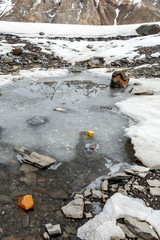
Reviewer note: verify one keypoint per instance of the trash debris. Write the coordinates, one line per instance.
(91, 134)
(92, 147)
(53, 230)
(26, 202)
(34, 158)
(119, 80)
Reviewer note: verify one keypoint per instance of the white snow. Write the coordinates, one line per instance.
(103, 226)
(117, 13)
(157, 54)
(145, 133)
(5, 7)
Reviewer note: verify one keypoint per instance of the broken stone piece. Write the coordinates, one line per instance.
(97, 194)
(88, 215)
(74, 209)
(46, 236)
(35, 159)
(118, 177)
(53, 230)
(119, 80)
(104, 185)
(153, 183)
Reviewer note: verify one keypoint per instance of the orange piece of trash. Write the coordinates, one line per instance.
(26, 202)
(91, 134)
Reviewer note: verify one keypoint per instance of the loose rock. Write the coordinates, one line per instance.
(119, 80)
(53, 230)
(74, 209)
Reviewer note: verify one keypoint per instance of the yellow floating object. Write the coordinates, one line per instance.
(26, 202)
(91, 134)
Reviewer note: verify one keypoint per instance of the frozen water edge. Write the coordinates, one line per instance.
(103, 226)
(61, 136)
(145, 132)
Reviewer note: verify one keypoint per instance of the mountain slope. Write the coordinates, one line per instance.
(93, 12)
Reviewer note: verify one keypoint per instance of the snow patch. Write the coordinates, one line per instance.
(103, 226)
(145, 133)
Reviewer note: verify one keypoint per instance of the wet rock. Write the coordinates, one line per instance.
(59, 194)
(104, 185)
(119, 80)
(145, 30)
(97, 194)
(29, 179)
(17, 51)
(153, 183)
(74, 209)
(70, 230)
(53, 230)
(139, 90)
(5, 199)
(141, 229)
(118, 177)
(25, 220)
(37, 120)
(27, 168)
(155, 191)
(35, 159)
(46, 236)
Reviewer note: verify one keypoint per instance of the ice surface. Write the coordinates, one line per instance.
(103, 226)
(145, 133)
(59, 136)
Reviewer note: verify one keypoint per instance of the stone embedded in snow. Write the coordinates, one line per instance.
(75, 69)
(37, 120)
(87, 193)
(145, 30)
(153, 183)
(103, 226)
(74, 209)
(88, 215)
(139, 90)
(118, 177)
(53, 230)
(104, 185)
(126, 231)
(35, 159)
(155, 191)
(140, 228)
(97, 194)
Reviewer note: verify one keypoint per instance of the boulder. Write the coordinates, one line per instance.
(119, 80)
(145, 30)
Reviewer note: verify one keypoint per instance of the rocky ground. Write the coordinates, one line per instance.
(49, 195)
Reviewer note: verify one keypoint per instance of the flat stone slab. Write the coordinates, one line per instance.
(34, 158)
(118, 177)
(155, 191)
(153, 183)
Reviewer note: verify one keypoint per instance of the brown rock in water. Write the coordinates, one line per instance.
(119, 80)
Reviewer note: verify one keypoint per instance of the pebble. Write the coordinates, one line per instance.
(53, 229)
(46, 236)
(87, 193)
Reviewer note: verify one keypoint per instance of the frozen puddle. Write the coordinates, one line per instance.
(28, 116)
